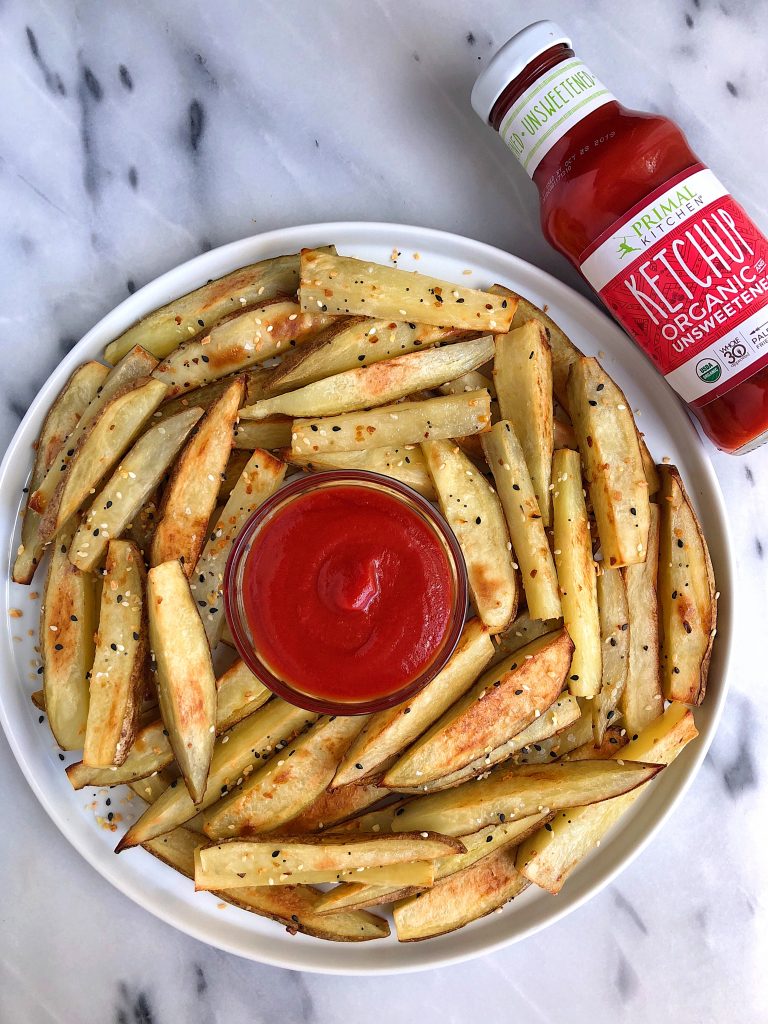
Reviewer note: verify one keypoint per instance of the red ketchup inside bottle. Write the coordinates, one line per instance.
(675, 259)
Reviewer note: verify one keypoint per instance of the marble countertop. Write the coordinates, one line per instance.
(137, 134)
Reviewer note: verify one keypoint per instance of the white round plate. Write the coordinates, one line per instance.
(156, 887)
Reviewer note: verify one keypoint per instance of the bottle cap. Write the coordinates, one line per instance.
(510, 60)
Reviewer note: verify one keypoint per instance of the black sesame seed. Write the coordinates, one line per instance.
(548, 827)
(113, 646)
(489, 839)
(518, 692)
(592, 401)
(61, 757)
(335, 428)
(41, 718)
(58, 647)
(108, 505)
(73, 618)
(314, 426)
(600, 387)
(680, 544)
(359, 766)
(275, 853)
(478, 520)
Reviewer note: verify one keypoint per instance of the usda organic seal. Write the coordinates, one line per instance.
(709, 370)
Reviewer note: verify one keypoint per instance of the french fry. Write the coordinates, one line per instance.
(548, 857)
(504, 455)
(651, 473)
(404, 464)
(521, 790)
(125, 493)
(558, 746)
(576, 573)
(68, 621)
(190, 495)
(611, 742)
(238, 694)
(522, 373)
(412, 873)
(100, 447)
(349, 343)
(62, 419)
(340, 284)
(142, 526)
(294, 907)
(151, 788)
(503, 702)
(613, 464)
(134, 365)
(236, 463)
(378, 384)
(394, 425)
(564, 435)
(186, 683)
(237, 343)
(251, 740)
(269, 434)
(564, 352)
(333, 806)
(233, 863)
(285, 786)
(166, 328)
(463, 897)
(388, 733)
(208, 394)
(522, 632)
(473, 511)
(642, 698)
(261, 477)
(686, 594)
(616, 638)
(560, 715)
(478, 846)
(120, 661)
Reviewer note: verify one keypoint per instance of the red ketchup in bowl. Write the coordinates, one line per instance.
(350, 596)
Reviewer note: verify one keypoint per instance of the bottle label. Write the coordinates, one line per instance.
(550, 108)
(685, 272)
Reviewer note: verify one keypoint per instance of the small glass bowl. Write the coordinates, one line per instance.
(235, 609)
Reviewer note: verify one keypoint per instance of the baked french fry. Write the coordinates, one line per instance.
(521, 790)
(333, 806)
(126, 492)
(378, 384)
(576, 574)
(474, 514)
(522, 373)
(615, 636)
(504, 701)
(478, 846)
(549, 856)
(100, 447)
(613, 464)
(340, 284)
(238, 342)
(269, 434)
(406, 873)
(254, 739)
(234, 863)
(134, 365)
(261, 477)
(190, 495)
(642, 698)
(504, 455)
(560, 715)
(62, 419)
(686, 594)
(404, 464)
(68, 620)
(393, 425)
(293, 906)
(349, 343)
(120, 662)
(285, 786)
(460, 898)
(238, 694)
(163, 330)
(522, 632)
(388, 733)
(564, 352)
(186, 683)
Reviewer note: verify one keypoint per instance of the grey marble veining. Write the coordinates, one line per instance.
(134, 135)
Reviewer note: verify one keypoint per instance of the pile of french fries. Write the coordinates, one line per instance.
(593, 599)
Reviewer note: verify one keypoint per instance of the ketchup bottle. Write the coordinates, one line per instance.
(675, 259)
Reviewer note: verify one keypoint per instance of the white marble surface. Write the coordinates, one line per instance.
(134, 135)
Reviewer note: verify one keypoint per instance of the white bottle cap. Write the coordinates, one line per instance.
(510, 60)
